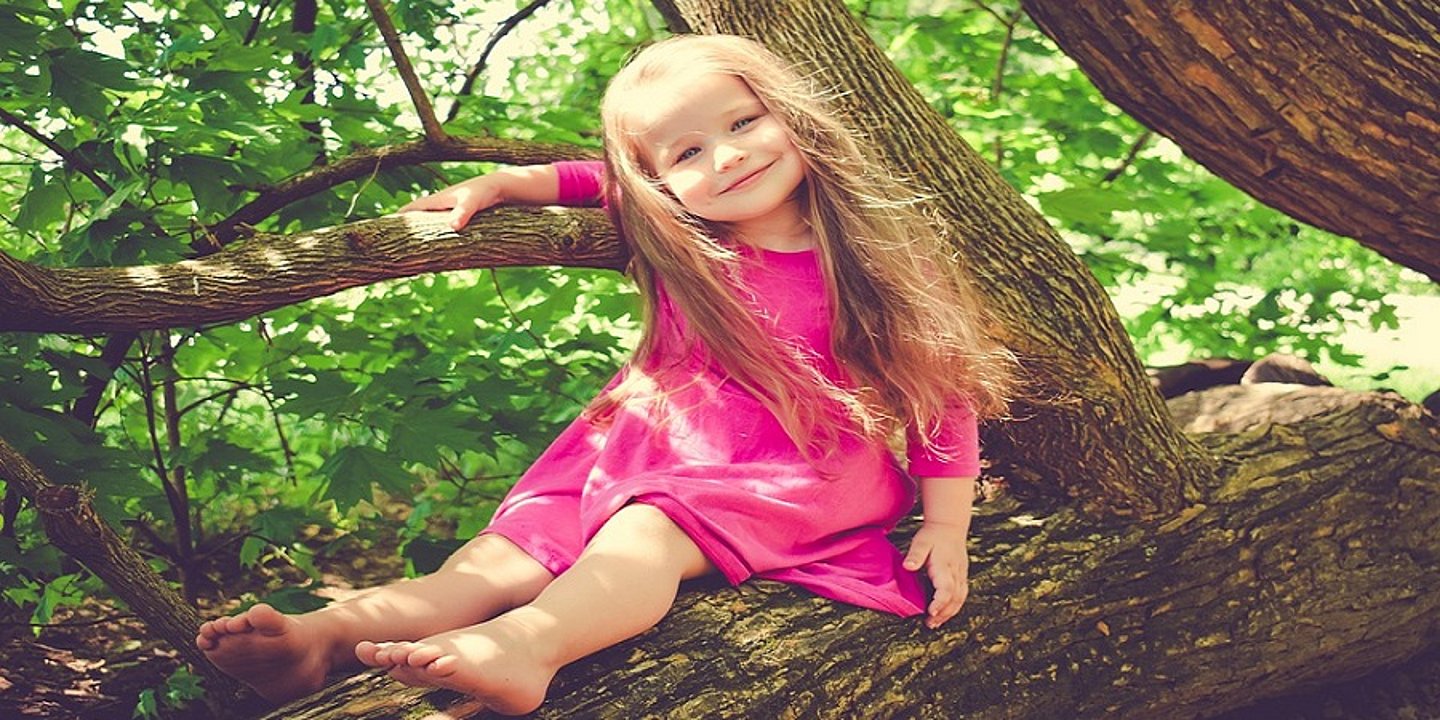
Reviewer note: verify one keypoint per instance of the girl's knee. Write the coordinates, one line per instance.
(492, 554)
(650, 528)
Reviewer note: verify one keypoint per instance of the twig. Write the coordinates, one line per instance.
(433, 132)
(78, 623)
(993, 12)
(70, 158)
(997, 85)
(1130, 156)
(479, 66)
(500, 293)
(366, 161)
(255, 24)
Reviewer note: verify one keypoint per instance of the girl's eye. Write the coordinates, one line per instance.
(743, 122)
(686, 154)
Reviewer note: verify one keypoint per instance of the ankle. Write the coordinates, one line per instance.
(538, 632)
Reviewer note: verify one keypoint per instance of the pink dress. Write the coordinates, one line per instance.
(718, 463)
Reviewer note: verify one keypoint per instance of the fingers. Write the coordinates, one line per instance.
(950, 594)
(919, 552)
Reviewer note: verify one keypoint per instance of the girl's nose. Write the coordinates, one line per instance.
(727, 157)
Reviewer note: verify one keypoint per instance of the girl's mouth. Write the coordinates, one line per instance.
(746, 181)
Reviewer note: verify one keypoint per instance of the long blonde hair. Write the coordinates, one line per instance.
(906, 326)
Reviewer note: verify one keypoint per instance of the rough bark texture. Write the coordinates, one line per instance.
(1324, 110)
(268, 272)
(1314, 555)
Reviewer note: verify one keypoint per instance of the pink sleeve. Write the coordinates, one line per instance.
(580, 181)
(958, 437)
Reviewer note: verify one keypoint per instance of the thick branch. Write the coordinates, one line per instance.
(270, 272)
(1289, 572)
(1325, 111)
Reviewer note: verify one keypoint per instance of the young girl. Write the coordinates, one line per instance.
(800, 317)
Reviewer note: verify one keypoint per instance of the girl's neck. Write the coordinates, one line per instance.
(785, 230)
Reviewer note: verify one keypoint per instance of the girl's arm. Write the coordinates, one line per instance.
(939, 545)
(569, 183)
(947, 492)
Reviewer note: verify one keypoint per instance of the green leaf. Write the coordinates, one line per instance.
(352, 470)
(250, 550)
(1082, 205)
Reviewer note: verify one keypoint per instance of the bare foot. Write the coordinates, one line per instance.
(496, 662)
(275, 654)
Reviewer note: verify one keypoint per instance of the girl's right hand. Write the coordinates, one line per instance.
(463, 200)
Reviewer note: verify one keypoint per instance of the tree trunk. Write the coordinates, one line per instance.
(1325, 111)
(1315, 556)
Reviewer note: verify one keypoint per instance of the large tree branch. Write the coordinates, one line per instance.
(1324, 111)
(72, 524)
(1289, 573)
(270, 272)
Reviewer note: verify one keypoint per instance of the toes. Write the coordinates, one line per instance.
(367, 652)
(265, 619)
(233, 625)
(423, 655)
(392, 653)
(443, 666)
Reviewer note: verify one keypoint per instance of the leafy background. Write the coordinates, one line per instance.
(406, 409)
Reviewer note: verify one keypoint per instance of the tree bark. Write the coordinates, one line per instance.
(1315, 555)
(1325, 111)
(269, 272)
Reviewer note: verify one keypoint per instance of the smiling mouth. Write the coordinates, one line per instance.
(746, 179)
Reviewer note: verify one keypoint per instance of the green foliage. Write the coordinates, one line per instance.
(181, 687)
(409, 408)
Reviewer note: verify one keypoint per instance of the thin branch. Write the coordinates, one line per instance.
(433, 131)
(71, 159)
(255, 24)
(370, 160)
(505, 27)
(1130, 156)
(500, 293)
(997, 85)
(992, 11)
(76, 623)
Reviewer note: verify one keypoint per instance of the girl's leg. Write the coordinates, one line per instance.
(284, 657)
(623, 584)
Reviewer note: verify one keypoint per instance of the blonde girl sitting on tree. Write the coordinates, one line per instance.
(800, 316)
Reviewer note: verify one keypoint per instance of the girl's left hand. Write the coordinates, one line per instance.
(940, 547)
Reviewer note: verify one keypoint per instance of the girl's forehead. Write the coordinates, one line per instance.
(672, 102)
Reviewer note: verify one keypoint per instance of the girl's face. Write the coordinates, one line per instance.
(721, 153)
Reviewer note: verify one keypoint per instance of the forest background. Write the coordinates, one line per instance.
(400, 413)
